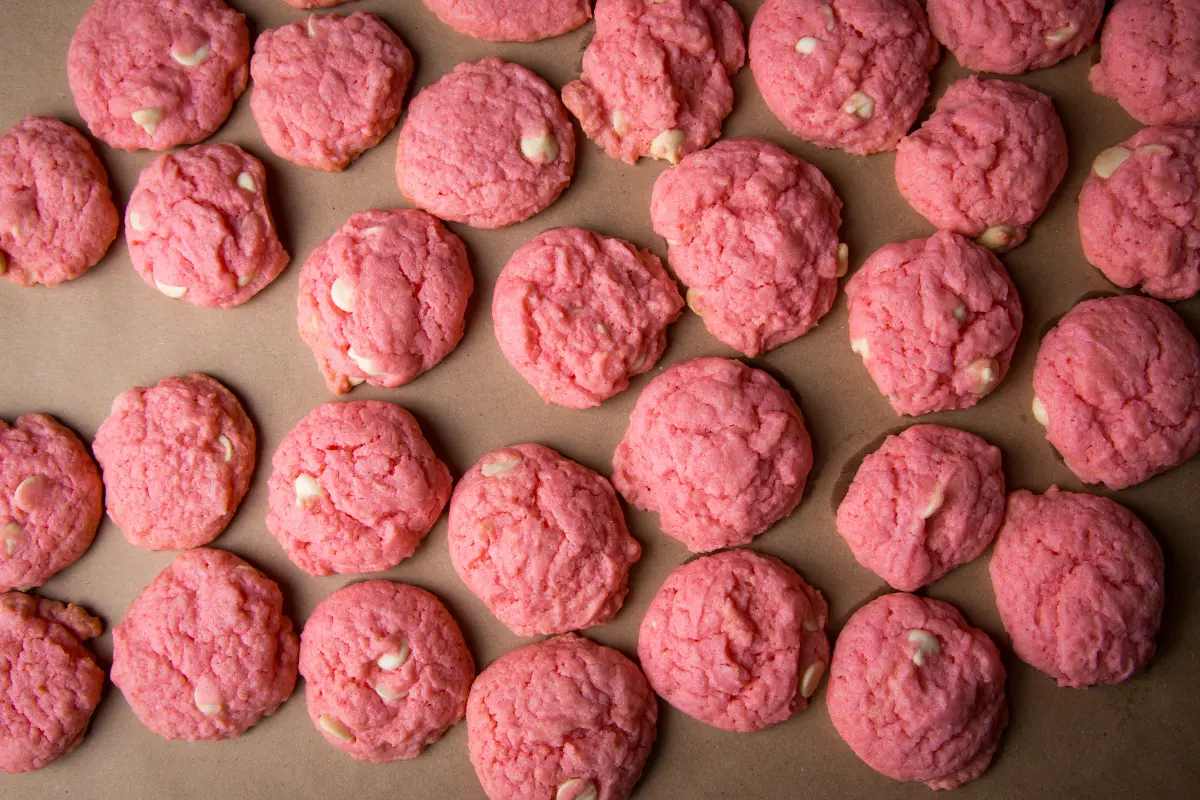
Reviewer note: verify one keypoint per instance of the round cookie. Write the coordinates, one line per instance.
(384, 299)
(563, 718)
(354, 488)
(328, 88)
(936, 322)
(986, 163)
(57, 217)
(753, 231)
(656, 76)
(847, 74)
(578, 314)
(717, 449)
(735, 640)
(512, 20)
(489, 144)
(927, 501)
(1117, 385)
(386, 670)
(176, 459)
(916, 692)
(155, 74)
(1139, 213)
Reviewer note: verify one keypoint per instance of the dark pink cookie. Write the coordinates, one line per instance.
(916, 692)
(850, 74)
(564, 718)
(717, 449)
(490, 145)
(1117, 385)
(935, 320)
(384, 299)
(736, 640)
(753, 231)
(656, 76)
(177, 459)
(986, 163)
(386, 670)
(512, 20)
(1014, 36)
(156, 74)
(578, 314)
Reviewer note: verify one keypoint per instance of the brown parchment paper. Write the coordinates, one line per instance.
(70, 350)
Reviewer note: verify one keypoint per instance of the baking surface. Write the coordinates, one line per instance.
(70, 350)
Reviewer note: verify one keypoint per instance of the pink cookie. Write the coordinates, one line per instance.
(354, 488)
(916, 692)
(328, 88)
(384, 299)
(925, 502)
(156, 74)
(1117, 385)
(57, 216)
(512, 20)
(578, 314)
(656, 76)
(490, 145)
(1150, 60)
(50, 500)
(736, 640)
(850, 74)
(177, 459)
(717, 449)
(986, 163)
(1139, 213)
(563, 718)
(753, 231)
(386, 670)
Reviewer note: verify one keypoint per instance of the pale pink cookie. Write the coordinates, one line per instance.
(717, 449)
(155, 74)
(736, 640)
(176, 459)
(489, 144)
(205, 651)
(986, 163)
(1014, 36)
(935, 321)
(50, 500)
(1139, 213)
(563, 718)
(512, 20)
(656, 76)
(927, 501)
(57, 217)
(847, 74)
(328, 88)
(578, 314)
(384, 299)
(916, 692)
(1117, 385)
(753, 231)
(386, 670)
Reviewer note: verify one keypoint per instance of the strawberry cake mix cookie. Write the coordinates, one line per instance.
(736, 640)
(986, 163)
(717, 449)
(384, 299)
(386, 670)
(564, 718)
(916, 692)
(489, 144)
(512, 20)
(847, 74)
(57, 216)
(656, 76)
(753, 231)
(155, 74)
(1117, 386)
(936, 322)
(578, 314)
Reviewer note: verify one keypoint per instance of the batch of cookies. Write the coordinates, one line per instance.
(719, 450)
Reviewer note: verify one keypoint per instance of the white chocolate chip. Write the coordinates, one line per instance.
(1039, 412)
(843, 258)
(136, 222)
(666, 145)
(827, 12)
(245, 279)
(862, 347)
(810, 623)
(246, 181)
(207, 704)
(620, 122)
(148, 118)
(12, 532)
(174, 292)
(373, 230)
(811, 679)
(540, 149)
(342, 294)
(983, 372)
(960, 312)
(354, 380)
(1150, 149)
(807, 45)
(228, 445)
(600, 329)
(638, 364)
(935, 502)
(502, 465)
(926, 645)
(364, 363)
(1062, 35)
(860, 105)
(998, 238)
(312, 24)
(395, 660)
(1107, 162)
(576, 789)
(387, 694)
(307, 489)
(195, 58)
(27, 491)
(336, 729)
(693, 300)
